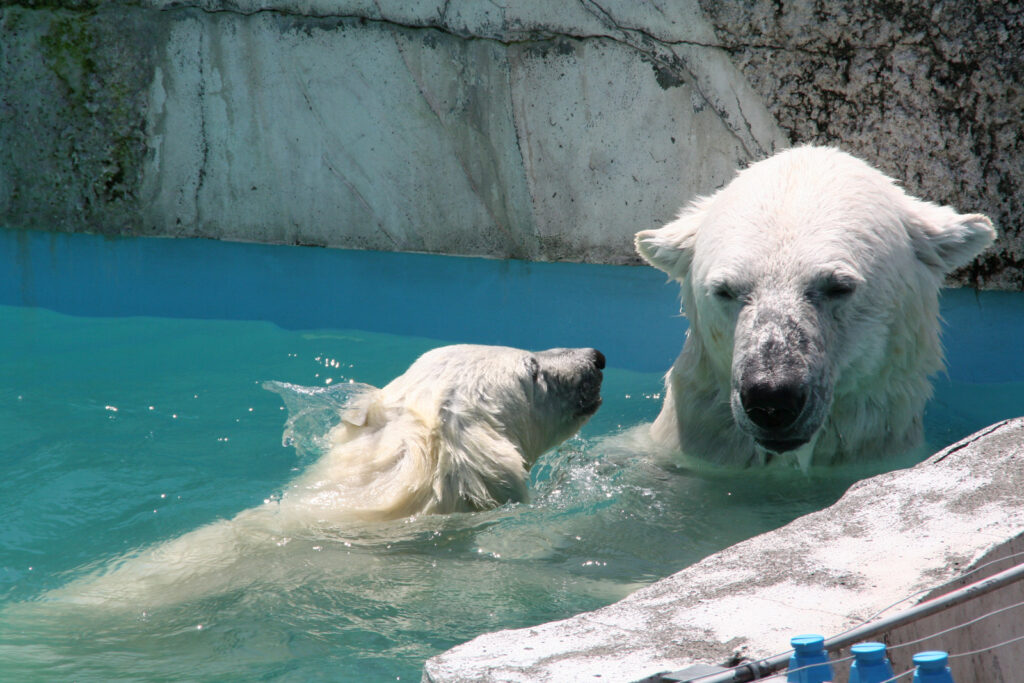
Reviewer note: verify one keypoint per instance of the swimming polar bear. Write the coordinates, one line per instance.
(457, 432)
(811, 286)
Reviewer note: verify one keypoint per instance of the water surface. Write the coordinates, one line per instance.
(132, 411)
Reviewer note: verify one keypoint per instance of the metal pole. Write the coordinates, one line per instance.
(758, 669)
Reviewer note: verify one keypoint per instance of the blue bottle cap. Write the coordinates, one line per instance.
(869, 652)
(807, 644)
(933, 660)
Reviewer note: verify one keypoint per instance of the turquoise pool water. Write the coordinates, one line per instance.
(131, 411)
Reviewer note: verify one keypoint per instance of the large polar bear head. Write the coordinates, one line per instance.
(457, 431)
(810, 282)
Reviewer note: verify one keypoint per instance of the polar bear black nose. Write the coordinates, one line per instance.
(773, 406)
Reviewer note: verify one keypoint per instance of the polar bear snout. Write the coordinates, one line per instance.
(590, 383)
(780, 386)
(564, 391)
(579, 372)
(774, 407)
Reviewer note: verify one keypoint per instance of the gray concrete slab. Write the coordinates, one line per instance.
(913, 531)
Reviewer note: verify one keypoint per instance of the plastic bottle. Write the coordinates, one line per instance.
(931, 667)
(870, 664)
(809, 662)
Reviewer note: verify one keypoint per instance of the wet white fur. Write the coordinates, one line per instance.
(770, 235)
(456, 432)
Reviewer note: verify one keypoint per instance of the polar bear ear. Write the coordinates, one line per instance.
(361, 406)
(671, 248)
(944, 239)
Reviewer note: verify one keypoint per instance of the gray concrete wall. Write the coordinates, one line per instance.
(532, 130)
(911, 533)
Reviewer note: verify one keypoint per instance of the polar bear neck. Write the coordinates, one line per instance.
(695, 416)
(882, 415)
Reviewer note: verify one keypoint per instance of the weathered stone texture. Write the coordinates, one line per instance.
(932, 93)
(531, 130)
(891, 541)
(73, 103)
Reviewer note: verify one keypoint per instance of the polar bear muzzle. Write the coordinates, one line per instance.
(574, 375)
(781, 387)
(774, 406)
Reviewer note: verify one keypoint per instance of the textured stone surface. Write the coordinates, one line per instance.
(421, 141)
(530, 130)
(907, 533)
(931, 93)
(533, 131)
(73, 99)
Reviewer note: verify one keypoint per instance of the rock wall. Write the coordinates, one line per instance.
(73, 99)
(536, 130)
(932, 93)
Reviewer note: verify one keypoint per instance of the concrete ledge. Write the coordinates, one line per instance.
(889, 537)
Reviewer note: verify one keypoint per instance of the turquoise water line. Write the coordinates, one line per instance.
(630, 313)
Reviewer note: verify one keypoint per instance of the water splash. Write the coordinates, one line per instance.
(312, 412)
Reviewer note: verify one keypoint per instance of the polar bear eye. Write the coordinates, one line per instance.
(834, 287)
(723, 292)
(838, 287)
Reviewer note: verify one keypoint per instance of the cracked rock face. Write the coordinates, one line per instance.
(530, 130)
(932, 94)
(72, 126)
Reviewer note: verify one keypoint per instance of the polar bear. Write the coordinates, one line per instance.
(811, 286)
(456, 432)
